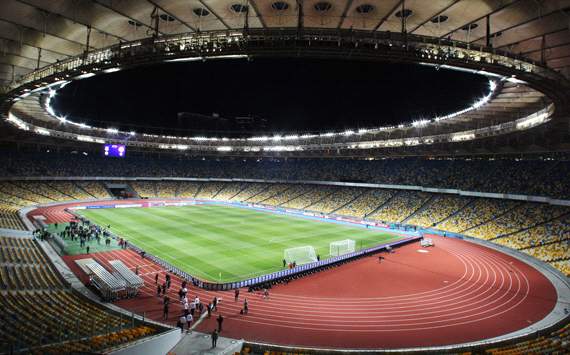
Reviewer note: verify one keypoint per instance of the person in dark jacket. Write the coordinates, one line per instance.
(214, 338)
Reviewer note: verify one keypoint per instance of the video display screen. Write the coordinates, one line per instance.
(114, 150)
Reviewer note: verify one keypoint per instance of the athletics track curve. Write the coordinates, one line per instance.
(456, 292)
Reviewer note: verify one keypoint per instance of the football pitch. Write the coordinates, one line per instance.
(225, 244)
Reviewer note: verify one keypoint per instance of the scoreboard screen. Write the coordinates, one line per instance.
(114, 150)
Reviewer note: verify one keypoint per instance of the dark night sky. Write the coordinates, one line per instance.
(293, 95)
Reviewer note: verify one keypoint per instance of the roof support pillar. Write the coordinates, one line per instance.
(155, 18)
(246, 20)
(39, 58)
(488, 31)
(403, 17)
(300, 16)
(543, 49)
(87, 43)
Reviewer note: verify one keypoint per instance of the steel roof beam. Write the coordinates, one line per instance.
(344, 13)
(256, 9)
(539, 17)
(383, 19)
(215, 14)
(502, 7)
(193, 29)
(41, 33)
(435, 15)
(98, 2)
(75, 21)
(33, 45)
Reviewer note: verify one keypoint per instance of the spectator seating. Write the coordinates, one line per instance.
(337, 200)
(521, 217)
(554, 231)
(144, 188)
(557, 342)
(542, 175)
(209, 190)
(9, 218)
(188, 189)
(94, 189)
(562, 265)
(310, 198)
(437, 210)
(366, 203)
(41, 314)
(70, 189)
(167, 189)
(270, 191)
(284, 196)
(475, 213)
(249, 191)
(401, 206)
(230, 191)
(24, 195)
(42, 190)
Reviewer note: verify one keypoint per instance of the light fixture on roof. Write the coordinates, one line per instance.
(111, 70)
(420, 123)
(84, 76)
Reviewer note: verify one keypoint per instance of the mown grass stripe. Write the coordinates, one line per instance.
(207, 240)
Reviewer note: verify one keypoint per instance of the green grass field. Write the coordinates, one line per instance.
(238, 243)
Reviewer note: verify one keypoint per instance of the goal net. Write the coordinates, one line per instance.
(300, 255)
(342, 247)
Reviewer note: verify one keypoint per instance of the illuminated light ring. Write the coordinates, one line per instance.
(349, 132)
(426, 50)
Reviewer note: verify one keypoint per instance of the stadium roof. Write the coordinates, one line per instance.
(518, 44)
(34, 33)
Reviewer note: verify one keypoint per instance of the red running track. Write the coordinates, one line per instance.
(456, 292)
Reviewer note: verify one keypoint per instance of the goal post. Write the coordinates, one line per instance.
(342, 247)
(300, 255)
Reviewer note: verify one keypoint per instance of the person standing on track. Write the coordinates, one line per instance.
(192, 308)
(245, 306)
(181, 322)
(214, 338)
(189, 320)
(220, 321)
(168, 280)
(165, 311)
(236, 294)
